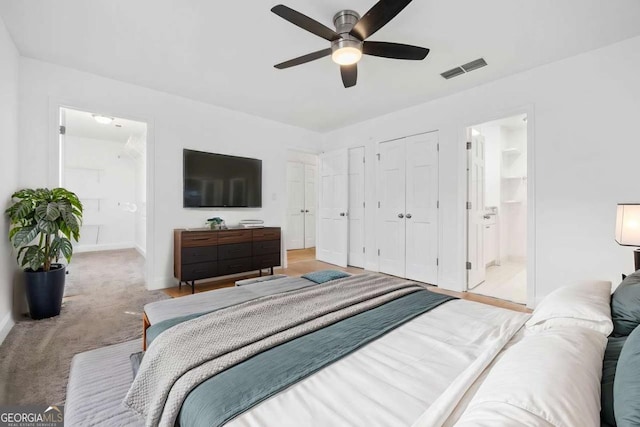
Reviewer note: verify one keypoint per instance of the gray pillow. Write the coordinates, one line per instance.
(611, 356)
(626, 385)
(625, 306)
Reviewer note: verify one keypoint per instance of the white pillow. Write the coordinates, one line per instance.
(586, 305)
(549, 378)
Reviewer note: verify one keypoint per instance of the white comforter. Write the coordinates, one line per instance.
(419, 371)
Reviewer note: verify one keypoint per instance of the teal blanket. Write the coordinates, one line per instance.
(232, 392)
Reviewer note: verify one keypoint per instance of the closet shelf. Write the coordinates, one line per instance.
(513, 151)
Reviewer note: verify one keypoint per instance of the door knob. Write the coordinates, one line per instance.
(400, 216)
(302, 210)
(306, 210)
(486, 217)
(342, 214)
(408, 216)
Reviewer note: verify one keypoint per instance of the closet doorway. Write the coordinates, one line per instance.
(497, 208)
(103, 161)
(408, 204)
(301, 201)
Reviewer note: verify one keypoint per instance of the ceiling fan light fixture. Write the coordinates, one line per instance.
(346, 51)
(346, 55)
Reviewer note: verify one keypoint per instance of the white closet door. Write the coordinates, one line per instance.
(475, 223)
(309, 206)
(391, 193)
(356, 207)
(333, 204)
(296, 205)
(421, 213)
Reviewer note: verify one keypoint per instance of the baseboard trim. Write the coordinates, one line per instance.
(141, 251)
(105, 247)
(5, 326)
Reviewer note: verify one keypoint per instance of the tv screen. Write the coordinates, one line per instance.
(215, 180)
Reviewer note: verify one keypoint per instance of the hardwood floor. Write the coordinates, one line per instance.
(303, 261)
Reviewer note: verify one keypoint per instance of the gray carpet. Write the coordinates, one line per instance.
(103, 303)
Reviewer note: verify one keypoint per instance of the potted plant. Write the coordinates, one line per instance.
(43, 222)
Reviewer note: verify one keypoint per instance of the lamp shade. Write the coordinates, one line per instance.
(628, 224)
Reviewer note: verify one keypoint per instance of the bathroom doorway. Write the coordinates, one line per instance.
(497, 209)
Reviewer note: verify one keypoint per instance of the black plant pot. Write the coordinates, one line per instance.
(44, 291)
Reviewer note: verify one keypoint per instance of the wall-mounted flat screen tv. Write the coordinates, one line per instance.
(217, 181)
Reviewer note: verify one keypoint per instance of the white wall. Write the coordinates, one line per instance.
(9, 168)
(103, 176)
(585, 113)
(174, 123)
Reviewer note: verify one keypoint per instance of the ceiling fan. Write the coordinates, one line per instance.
(348, 41)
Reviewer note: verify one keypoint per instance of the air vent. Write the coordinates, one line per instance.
(469, 66)
(474, 65)
(452, 73)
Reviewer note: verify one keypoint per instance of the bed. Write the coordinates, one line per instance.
(457, 363)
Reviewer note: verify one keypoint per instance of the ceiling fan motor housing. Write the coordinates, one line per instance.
(344, 22)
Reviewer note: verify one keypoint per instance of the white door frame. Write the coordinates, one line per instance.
(55, 106)
(531, 194)
(364, 197)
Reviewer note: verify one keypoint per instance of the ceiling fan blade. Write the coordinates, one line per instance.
(377, 17)
(304, 22)
(395, 50)
(304, 59)
(349, 75)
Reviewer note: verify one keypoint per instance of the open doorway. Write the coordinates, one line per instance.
(103, 161)
(497, 209)
(300, 236)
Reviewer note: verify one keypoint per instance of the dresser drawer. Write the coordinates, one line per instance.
(199, 254)
(266, 247)
(234, 236)
(237, 250)
(201, 270)
(193, 239)
(266, 261)
(232, 266)
(266, 234)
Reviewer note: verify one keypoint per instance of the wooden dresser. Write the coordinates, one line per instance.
(203, 253)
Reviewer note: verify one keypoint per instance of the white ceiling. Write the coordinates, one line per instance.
(223, 52)
(82, 124)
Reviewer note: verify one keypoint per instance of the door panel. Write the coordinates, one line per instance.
(475, 221)
(356, 207)
(310, 206)
(295, 206)
(421, 214)
(332, 239)
(391, 193)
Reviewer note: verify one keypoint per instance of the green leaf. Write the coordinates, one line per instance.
(25, 235)
(33, 258)
(48, 227)
(37, 261)
(20, 210)
(48, 211)
(66, 248)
